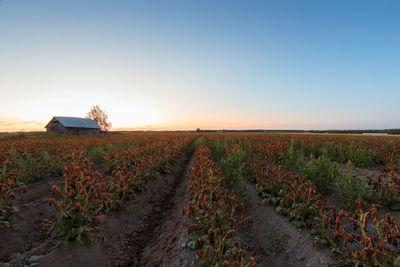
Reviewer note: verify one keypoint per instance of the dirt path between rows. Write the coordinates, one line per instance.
(168, 245)
(152, 234)
(26, 234)
(276, 240)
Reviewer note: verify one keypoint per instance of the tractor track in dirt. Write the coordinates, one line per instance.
(276, 240)
(168, 244)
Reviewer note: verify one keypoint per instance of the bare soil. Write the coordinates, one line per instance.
(276, 240)
(26, 232)
(168, 245)
(371, 174)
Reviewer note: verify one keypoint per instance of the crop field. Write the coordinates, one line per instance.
(200, 199)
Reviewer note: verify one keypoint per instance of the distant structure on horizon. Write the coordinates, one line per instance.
(72, 125)
(375, 133)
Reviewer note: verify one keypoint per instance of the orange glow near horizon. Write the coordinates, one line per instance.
(152, 122)
(15, 125)
(142, 123)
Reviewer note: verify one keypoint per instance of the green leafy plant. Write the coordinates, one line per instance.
(197, 143)
(321, 171)
(233, 168)
(349, 188)
(218, 150)
(276, 246)
(96, 154)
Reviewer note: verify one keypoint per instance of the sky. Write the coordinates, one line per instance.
(209, 64)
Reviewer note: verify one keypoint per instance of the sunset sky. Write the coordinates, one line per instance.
(211, 64)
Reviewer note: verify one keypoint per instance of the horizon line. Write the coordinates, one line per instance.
(223, 129)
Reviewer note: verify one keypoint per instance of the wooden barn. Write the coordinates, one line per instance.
(72, 125)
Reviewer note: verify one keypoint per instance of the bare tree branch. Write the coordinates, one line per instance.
(100, 117)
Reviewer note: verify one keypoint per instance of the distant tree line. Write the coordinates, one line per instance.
(388, 131)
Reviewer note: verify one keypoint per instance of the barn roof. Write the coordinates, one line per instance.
(73, 122)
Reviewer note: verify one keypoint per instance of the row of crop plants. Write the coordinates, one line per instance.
(362, 151)
(216, 212)
(88, 195)
(35, 147)
(34, 160)
(344, 184)
(358, 234)
(319, 162)
(134, 159)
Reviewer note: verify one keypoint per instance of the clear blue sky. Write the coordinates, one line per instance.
(210, 64)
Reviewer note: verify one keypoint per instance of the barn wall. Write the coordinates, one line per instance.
(56, 127)
(82, 131)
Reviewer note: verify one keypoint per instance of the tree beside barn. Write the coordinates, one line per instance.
(100, 117)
